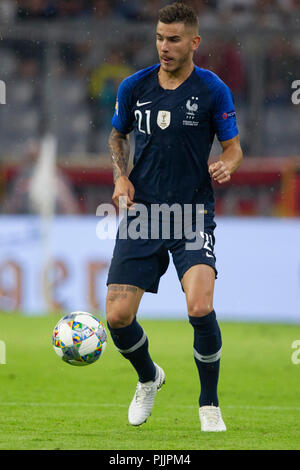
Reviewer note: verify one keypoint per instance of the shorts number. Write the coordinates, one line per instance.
(208, 243)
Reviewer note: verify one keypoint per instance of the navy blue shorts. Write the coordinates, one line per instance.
(141, 262)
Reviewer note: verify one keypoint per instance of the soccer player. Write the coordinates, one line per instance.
(174, 109)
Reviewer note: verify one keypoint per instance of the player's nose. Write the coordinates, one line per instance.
(165, 46)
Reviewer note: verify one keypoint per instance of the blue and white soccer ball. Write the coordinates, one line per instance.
(79, 338)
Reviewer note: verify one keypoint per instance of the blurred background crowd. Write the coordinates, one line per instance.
(62, 62)
(244, 11)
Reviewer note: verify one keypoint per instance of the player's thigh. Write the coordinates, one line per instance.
(122, 302)
(198, 284)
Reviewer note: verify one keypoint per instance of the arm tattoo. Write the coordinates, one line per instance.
(119, 147)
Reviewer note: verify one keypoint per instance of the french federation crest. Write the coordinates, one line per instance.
(192, 107)
(163, 119)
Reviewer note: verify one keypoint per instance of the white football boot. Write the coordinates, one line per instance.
(141, 406)
(211, 419)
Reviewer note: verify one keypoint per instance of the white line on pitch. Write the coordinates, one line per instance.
(121, 405)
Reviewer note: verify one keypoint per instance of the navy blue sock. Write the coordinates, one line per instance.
(207, 351)
(132, 343)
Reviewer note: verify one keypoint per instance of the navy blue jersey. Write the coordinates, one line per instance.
(174, 131)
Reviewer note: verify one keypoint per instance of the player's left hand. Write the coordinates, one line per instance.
(219, 172)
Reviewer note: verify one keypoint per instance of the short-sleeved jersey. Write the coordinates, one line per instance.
(174, 131)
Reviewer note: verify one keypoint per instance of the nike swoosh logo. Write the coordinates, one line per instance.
(142, 104)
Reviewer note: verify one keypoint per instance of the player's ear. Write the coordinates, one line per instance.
(196, 42)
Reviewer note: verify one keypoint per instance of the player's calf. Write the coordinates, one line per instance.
(207, 353)
(127, 334)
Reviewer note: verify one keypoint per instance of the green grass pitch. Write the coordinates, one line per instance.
(47, 404)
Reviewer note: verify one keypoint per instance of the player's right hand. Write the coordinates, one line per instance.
(123, 193)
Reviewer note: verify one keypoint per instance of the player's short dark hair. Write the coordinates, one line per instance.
(178, 12)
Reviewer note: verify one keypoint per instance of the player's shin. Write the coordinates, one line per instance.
(132, 342)
(207, 352)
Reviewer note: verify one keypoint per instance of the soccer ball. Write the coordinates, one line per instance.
(79, 338)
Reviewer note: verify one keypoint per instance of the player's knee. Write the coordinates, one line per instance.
(118, 317)
(118, 321)
(200, 308)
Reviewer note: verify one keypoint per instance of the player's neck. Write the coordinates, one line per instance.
(172, 80)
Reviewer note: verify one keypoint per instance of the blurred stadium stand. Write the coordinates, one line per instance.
(62, 62)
